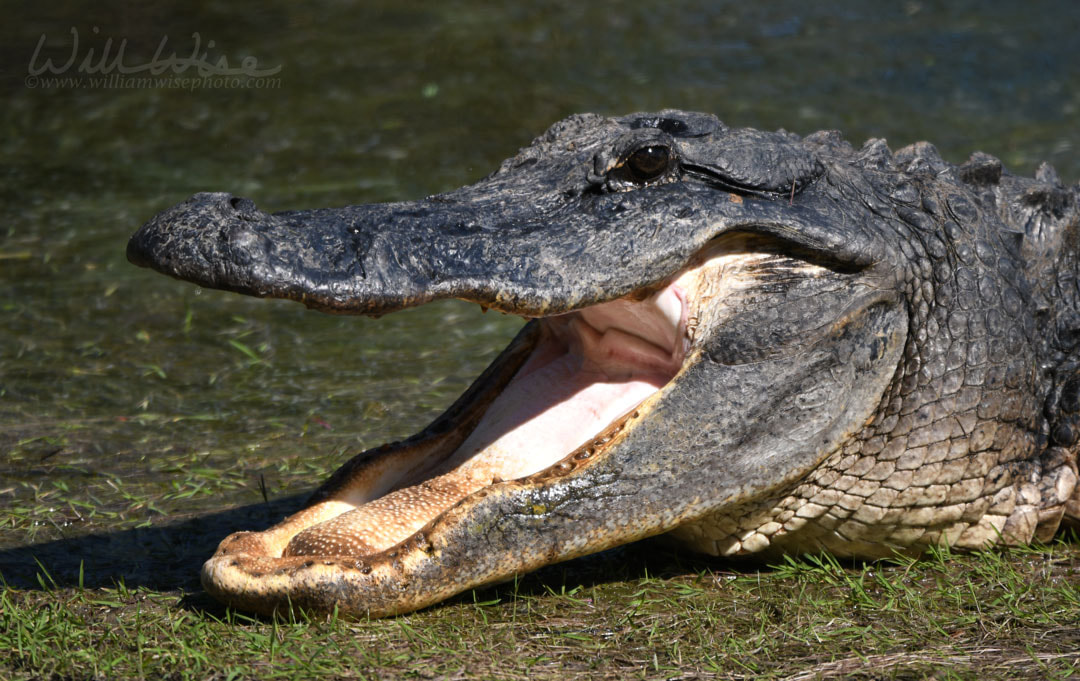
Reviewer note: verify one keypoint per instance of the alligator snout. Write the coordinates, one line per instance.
(208, 239)
(191, 219)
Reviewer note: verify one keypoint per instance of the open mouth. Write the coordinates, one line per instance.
(557, 398)
(584, 373)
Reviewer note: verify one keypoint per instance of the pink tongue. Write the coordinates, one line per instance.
(550, 408)
(543, 415)
(540, 418)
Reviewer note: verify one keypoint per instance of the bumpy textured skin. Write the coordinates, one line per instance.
(923, 386)
(974, 442)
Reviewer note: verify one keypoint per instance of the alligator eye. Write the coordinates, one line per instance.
(648, 163)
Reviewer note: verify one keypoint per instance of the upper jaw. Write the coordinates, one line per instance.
(537, 258)
(542, 236)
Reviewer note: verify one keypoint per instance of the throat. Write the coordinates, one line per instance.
(548, 411)
(590, 368)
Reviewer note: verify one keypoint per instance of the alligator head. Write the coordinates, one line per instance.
(753, 341)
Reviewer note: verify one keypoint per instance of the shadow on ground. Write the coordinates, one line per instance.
(162, 557)
(168, 557)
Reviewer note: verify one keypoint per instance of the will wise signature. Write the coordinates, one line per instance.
(109, 61)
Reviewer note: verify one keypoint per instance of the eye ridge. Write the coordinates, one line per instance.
(649, 162)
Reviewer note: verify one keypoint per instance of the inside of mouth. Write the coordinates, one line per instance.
(588, 369)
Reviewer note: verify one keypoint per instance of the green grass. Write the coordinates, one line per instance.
(637, 612)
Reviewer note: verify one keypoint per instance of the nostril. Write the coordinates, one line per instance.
(242, 205)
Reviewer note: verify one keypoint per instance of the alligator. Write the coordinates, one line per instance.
(754, 342)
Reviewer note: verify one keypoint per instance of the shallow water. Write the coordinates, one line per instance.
(127, 398)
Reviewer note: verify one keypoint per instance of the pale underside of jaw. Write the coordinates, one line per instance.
(589, 369)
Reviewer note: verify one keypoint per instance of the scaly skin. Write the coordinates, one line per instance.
(973, 444)
(881, 352)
